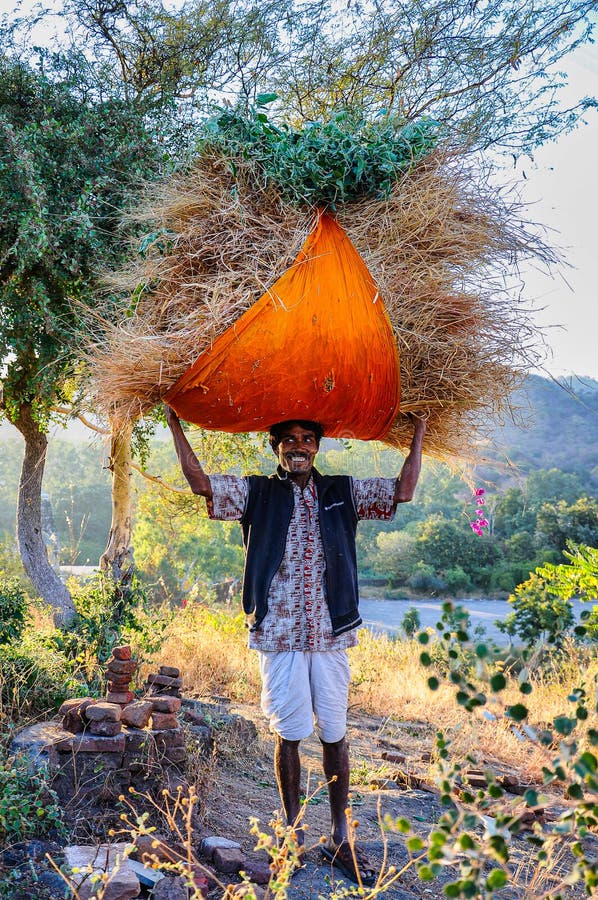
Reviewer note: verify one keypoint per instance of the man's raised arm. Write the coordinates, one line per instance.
(192, 470)
(407, 480)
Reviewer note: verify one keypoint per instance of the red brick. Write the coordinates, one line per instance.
(121, 698)
(176, 754)
(169, 671)
(228, 860)
(162, 721)
(122, 666)
(137, 714)
(92, 743)
(113, 678)
(105, 728)
(123, 652)
(164, 680)
(103, 711)
(166, 704)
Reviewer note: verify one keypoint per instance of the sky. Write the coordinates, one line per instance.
(561, 187)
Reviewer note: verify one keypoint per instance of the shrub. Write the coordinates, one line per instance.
(34, 679)
(13, 609)
(425, 580)
(411, 622)
(457, 580)
(28, 806)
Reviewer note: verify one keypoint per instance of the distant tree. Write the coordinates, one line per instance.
(559, 523)
(411, 622)
(512, 515)
(539, 614)
(552, 486)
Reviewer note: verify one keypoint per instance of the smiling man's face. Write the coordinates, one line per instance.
(297, 450)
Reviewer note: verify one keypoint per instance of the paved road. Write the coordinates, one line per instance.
(387, 615)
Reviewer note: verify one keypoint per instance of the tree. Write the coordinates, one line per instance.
(72, 157)
(539, 614)
(559, 523)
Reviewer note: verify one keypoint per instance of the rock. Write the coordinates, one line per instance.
(151, 847)
(171, 671)
(171, 888)
(176, 755)
(147, 876)
(103, 712)
(121, 653)
(166, 740)
(121, 667)
(137, 714)
(228, 860)
(209, 845)
(40, 742)
(55, 883)
(166, 704)
(257, 871)
(165, 681)
(75, 703)
(121, 698)
(121, 883)
(163, 721)
(105, 729)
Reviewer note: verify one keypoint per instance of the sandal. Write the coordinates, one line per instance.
(345, 857)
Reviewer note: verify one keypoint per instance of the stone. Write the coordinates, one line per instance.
(121, 698)
(209, 845)
(164, 703)
(147, 877)
(172, 737)
(118, 680)
(228, 860)
(137, 714)
(176, 755)
(92, 743)
(164, 680)
(162, 721)
(121, 883)
(136, 739)
(171, 671)
(155, 846)
(123, 652)
(103, 712)
(75, 703)
(258, 871)
(105, 728)
(171, 888)
(39, 742)
(122, 666)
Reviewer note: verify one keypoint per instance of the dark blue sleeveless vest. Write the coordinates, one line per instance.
(265, 524)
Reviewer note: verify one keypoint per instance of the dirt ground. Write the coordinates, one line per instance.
(243, 786)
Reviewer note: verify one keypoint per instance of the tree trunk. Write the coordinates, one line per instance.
(117, 558)
(29, 521)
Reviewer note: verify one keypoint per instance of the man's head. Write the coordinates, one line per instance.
(296, 443)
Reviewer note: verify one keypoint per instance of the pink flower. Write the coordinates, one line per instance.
(480, 492)
(480, 501)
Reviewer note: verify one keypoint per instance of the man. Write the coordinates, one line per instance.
(300, 594)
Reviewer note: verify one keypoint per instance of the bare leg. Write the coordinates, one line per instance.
(287, 768)
(336, 769)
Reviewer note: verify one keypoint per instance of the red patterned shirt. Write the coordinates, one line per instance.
(298, 617)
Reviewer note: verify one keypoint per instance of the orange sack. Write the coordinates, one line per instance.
(317, 345)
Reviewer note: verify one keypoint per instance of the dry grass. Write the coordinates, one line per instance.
(437, 248)
(387, 680)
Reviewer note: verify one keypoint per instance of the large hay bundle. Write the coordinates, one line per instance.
(437, 247)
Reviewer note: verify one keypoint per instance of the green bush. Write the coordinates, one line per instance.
(34, 679)
(13, 609)
(411, 622)
(28, 806)
(457, 580)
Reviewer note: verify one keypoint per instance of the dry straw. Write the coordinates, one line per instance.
(438, 248)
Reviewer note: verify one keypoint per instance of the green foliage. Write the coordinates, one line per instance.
(326, 163)
(539, 614)
(13, 609)
(71, 159)
(410, 622)
(28, 805)
(34, 678)
(475, 831)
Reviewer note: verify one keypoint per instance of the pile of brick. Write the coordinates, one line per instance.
(120, 670)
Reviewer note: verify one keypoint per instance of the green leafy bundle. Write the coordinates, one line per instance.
(325, 163)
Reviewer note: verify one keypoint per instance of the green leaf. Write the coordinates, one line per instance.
(518, 712)
(564, 725)
(433, 683)
(496, 879)
(425, 659)
(265, 99)
(415, 844)
(498, 682)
